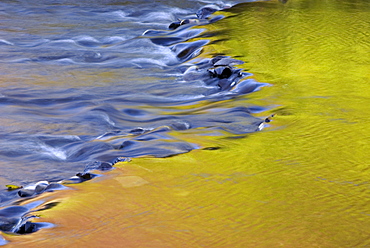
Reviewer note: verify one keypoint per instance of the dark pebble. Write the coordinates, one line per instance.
(27, 227)
(26, 192)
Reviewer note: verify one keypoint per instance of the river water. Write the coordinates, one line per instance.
(82, 85)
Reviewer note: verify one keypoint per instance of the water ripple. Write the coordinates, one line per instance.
(64, 129)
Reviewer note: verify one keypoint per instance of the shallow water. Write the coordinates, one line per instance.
(72, 86)
(302, 182)
(86, 85)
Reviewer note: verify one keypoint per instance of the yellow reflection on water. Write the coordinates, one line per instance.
(303, 182)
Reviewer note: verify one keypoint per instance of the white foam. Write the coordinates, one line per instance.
(53, 152)
(6, 42)
(85, 38)
(66, 61)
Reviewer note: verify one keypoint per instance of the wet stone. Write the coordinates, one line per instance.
(79, 178)
(98, 165)
(27, 227)
(176, 24)
(41, 187)
(121, 159)
(26, 192)
(85, 176)
(221, 72)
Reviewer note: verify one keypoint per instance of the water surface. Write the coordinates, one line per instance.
(302, 182)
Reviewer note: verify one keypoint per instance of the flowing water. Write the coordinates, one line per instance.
(82, 85)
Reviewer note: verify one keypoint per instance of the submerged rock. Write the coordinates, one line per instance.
(27, 227)
(98, 165)
(221, 72)
(39, 188)
(176, 24)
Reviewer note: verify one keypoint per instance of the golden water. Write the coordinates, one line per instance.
(302, 182)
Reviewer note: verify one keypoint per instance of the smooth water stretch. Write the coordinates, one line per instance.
(302, 182)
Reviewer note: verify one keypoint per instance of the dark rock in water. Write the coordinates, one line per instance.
(15, 219)
(27, 227)
(269, 119)
(174, 25)
(121, 159)
(85, 176)
(79, 178)
(17, 225)
(12, 220)
(26, 192)
(221, 72)
(98, 165)
(40, 187)
(103, 166)
(218, 71)
(187, 21)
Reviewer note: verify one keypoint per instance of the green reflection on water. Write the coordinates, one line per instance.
(313, 165)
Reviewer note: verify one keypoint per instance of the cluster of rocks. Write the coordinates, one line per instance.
(16, 219)
(218, 71)
(45, 186)
(202, 17)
